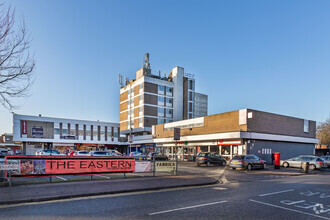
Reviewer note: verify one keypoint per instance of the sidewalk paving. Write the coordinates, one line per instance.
(65, 190)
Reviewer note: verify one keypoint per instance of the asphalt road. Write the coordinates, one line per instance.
(243, 196)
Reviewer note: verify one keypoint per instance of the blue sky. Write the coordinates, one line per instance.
(271, 56)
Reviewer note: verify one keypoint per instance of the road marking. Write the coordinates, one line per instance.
(103, 196)
(220, 188)
(280, 207)
(62, 178)
(103, 176)
(189, 207)
(267, 194)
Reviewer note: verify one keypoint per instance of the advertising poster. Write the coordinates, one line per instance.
(26, 167)
(143, 167)
(165, 166)
(39, 167)
(31, 166)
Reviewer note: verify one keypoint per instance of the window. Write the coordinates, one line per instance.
(57, 131)
(140, 98)
(106, 133)
(160, 100)
(98, 133)
(141, 86)
(85, 132)
(140, 120)
(160, 111)
(306, 126)
(160, 89)
(169, 91)
(140, 109)
(169, 101)
(91, 132)
(160, 121)
(169, 113)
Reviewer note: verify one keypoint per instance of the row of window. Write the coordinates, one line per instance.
(169, 90)
(169, 112)
(88, 131)
(163, 121)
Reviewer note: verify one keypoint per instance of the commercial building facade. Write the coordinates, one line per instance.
(238, 132)
(34, 133)
(154, 99)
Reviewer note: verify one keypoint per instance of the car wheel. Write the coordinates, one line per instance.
(223, 163)
(249, 167)
(264, 166)
(233, 168)
(285, 164)
(208, 163)
(311, 167)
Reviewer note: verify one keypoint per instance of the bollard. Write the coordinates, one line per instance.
(91, 177)
(9, 178)
(124, 175)
(305, 167)
(50, 179)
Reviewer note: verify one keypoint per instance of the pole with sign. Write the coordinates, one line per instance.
(176, 138)
(9, 167)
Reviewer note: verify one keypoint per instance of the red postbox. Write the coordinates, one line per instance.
(277, 158)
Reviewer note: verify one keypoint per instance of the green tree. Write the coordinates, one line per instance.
(323, 133)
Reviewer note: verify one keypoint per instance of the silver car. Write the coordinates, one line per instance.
(100, 154)
(314, 162)
(326, 159)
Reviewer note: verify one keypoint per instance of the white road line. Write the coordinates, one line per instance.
(267, 194)
(103, 176)
(276, 206)
(189, 207)
(62, 178)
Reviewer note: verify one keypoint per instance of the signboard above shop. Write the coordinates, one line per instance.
(37, 132)
(229, 142)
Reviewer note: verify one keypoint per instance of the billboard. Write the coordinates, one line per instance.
(37, 132)
(32, 166)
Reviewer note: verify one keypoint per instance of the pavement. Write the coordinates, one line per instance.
(65, 190)
(188, 176)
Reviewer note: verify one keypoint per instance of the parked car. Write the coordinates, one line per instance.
(314, 162)
(100, 154)
(49, 153)
(208, 158)
(249, 162)
(157, 156)
(81, 153)
(115, 153)
(326, 159)
(138, 156)
(4, 152)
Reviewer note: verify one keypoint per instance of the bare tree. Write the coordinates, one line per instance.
(16, 64)
(323, 133)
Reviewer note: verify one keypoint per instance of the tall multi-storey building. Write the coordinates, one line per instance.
(154, 99)
(200, 105)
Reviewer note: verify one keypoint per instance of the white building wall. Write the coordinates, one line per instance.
(23, 138)
(177, 74)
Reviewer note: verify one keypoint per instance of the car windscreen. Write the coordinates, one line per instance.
(202, 155)
(320, 159)
(100, 153)
(238, 158)
(83, 152)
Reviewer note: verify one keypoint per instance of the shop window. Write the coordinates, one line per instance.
(225, 150)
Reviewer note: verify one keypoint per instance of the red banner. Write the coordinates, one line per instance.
(24, 129)
(31, 166)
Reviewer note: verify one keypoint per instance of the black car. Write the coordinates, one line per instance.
(157, 156)
(208, 158)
